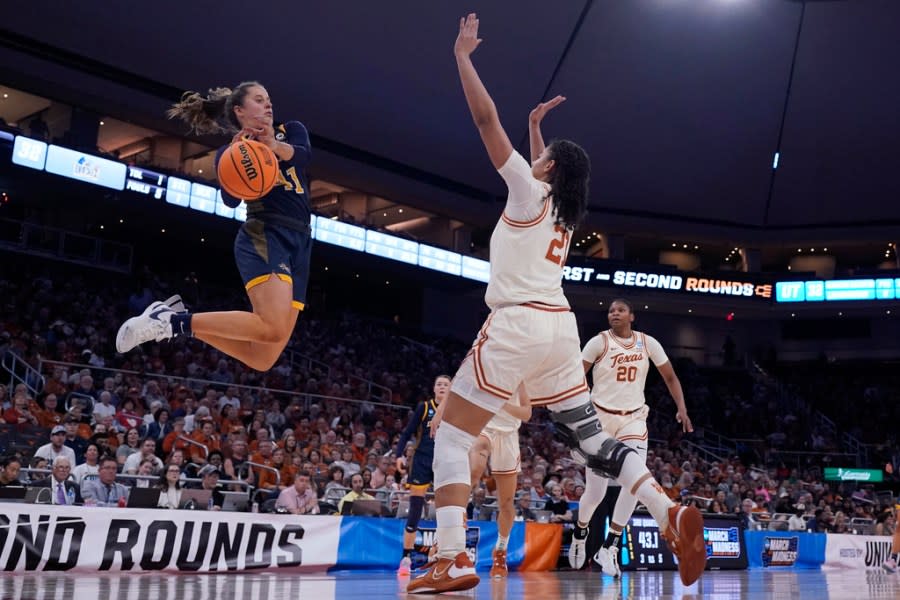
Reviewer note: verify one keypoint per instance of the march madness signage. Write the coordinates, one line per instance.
(856, 551)
(780, 551)
(54, 538)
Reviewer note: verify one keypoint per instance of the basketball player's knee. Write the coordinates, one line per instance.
(260, 363)
(264, 359)
(416, 504)
(608, 461)
(451, 456)
(577, 425)
(269, 333)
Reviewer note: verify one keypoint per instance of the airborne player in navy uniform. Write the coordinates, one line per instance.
(421, 474)
(272, 249)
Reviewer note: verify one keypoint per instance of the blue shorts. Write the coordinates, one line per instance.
(421, 473)
(261, 249)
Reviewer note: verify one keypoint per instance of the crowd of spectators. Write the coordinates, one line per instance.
(316, 429)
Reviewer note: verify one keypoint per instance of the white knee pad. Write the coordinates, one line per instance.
(451, 456)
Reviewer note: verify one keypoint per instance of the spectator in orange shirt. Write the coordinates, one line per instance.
(228, 419)
(19, 414)
(263, 456)
(360, 452)
(171, 441)
(285, 469)
(206, 436)
(83, 429)
(49, 416)
(262, 435)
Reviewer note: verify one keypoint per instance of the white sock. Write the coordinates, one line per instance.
(502, 541)
(649, 492)
(451, 531)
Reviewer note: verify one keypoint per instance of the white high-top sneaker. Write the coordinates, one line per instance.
(608, 559)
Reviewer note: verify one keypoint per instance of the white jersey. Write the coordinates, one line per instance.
(620, 368)
(527, 256)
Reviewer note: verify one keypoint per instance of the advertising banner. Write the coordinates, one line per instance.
(64, 538)
(791, 549)
(856, 551)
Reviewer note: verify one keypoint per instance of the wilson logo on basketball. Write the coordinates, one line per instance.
(247, 170)
(247, 163)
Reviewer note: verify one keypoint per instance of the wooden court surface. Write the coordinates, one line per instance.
(274, 585)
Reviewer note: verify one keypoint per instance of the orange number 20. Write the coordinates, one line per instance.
(626, 373)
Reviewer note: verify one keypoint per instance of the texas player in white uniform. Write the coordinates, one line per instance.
(498, 446)
(530, 339)
(619, 360)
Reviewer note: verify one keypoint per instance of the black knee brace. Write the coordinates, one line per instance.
(416, 504)
(568, 432)
(608, 462)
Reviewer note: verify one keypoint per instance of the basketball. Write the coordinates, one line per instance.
(247, 170)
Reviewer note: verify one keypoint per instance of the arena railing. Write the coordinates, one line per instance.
(192, 382)
(21, 372)
(266, 468)
(191, 442)
(371, 385)
(86, 402)
(704, 452)
(854, 445)
(41, 240)
(298, 357)
(132, 477)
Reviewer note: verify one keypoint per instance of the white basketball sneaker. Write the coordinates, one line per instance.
(608, 559)
(405, 567)
(576, 548)
(175, 303)
(154, 324)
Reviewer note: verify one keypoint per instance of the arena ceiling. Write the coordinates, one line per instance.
(682, 104)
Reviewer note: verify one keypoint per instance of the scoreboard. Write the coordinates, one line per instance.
(833, 290)
(147, 182)
(642, 547)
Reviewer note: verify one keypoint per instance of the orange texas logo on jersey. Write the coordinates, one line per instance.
(622, 358)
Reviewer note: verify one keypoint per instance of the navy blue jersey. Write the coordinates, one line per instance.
(290, 196)
(418, 429)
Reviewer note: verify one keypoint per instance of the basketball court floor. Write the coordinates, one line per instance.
(717, 585)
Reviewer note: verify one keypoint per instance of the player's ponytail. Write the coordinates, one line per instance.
(569, 182)
(213, 113)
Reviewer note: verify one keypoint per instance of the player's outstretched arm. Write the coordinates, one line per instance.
(535, 138)
(484, 112)
(674, 386)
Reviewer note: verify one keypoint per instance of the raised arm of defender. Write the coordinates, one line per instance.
(535, 138)
(484, 112)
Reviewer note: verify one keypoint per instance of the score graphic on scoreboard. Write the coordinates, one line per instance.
(144, 181)
(738, 285)
(643, 549)
(834, 290)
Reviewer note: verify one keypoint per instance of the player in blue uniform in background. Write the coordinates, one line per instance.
(421, 474)
(272, 249)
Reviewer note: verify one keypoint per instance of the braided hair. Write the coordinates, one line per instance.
(569, 182)
(213, 113)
